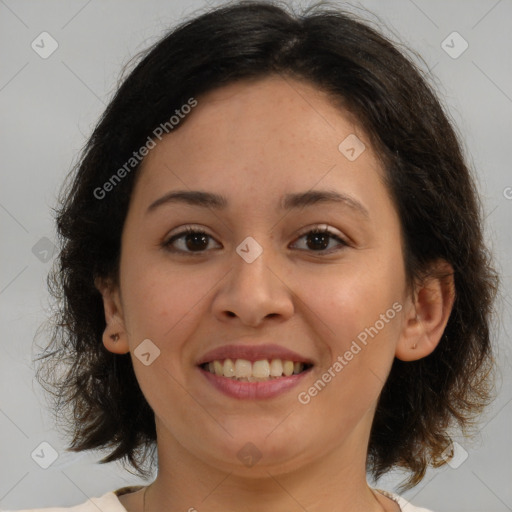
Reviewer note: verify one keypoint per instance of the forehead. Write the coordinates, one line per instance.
(263, 136)
(271, 113)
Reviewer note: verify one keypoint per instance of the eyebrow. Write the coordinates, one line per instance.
(288, 202)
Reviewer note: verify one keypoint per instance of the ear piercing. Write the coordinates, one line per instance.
(416, 344)
(115, 337)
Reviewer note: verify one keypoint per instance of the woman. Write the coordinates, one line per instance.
(273, 272)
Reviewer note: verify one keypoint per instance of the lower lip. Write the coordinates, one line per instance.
(254, 390)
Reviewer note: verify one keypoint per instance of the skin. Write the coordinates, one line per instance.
(253, 142)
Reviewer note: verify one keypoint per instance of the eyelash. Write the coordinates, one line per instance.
(191, 231)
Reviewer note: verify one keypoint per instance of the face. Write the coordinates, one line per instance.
(256, 280)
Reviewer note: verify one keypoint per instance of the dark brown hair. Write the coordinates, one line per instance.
(432, 188)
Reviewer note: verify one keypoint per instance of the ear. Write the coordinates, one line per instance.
(427, 314)
(114, 335)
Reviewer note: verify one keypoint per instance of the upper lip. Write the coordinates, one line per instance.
(252, 353)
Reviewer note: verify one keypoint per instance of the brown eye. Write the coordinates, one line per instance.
(190, 241)
(318, 240)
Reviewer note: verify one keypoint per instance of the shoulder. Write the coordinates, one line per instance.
(404, 505)
(109, 502)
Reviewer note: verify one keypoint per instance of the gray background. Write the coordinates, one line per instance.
(49, 107)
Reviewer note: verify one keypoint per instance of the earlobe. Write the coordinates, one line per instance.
(116, 343)
(114, 336)
(428, 315)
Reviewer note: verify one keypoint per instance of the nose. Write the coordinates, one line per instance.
(253, 292)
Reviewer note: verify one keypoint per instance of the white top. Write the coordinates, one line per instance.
(109, 502)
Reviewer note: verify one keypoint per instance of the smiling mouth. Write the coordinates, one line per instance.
(258, 371)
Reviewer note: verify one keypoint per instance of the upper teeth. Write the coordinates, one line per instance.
(245, 370)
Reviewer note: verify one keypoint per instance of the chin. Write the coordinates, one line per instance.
(255, 452)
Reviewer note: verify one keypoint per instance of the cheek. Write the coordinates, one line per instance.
(357, 314)
(159, 300)
(360, 325)
(165, 306)
(351, 297)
